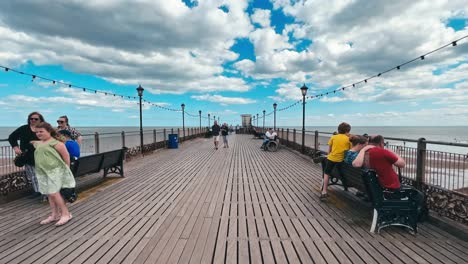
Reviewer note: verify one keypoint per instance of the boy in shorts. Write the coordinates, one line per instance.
(338, 145)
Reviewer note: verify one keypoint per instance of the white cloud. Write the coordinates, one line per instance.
(223, 100)
(261, 17)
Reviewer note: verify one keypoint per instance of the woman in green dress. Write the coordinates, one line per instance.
(53, 172)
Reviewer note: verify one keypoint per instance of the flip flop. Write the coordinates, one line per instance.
(49, 220)
(59, 223)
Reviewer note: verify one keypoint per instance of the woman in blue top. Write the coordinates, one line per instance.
(358, 142)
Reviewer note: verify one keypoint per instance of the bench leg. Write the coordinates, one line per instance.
(374, 221)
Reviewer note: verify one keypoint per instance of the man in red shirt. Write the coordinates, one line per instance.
(382, 161)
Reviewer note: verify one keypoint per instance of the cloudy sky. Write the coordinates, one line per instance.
(233, 57)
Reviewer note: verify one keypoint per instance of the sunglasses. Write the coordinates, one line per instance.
(34, 119)
(60, 121)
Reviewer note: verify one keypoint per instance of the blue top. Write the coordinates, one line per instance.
(350, 156)
(73, 149)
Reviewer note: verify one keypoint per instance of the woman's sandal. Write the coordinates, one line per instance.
(49, 220)
(62, 222)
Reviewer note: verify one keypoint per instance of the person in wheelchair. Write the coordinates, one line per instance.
(269, 136)
(382, 161)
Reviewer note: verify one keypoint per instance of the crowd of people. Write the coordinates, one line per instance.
(369, 152)
(48, 153)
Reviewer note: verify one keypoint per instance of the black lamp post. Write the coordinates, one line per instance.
(183, 119)
(257, 120)
(263, 120)
(274, 116)
(140, 94)
(208, 121)
(304, 93)
(214, 119)
(199, 114)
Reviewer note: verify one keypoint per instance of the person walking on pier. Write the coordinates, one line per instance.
(25, 134)
(338, 144)
(53, 172)
(224, 134)
(215, 129)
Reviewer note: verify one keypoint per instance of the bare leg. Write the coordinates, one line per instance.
(325, 183)
(66, 216)
(54, 212)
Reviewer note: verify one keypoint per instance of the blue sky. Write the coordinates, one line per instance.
(233, 57)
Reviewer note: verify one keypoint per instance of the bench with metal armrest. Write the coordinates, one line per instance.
(110, 162)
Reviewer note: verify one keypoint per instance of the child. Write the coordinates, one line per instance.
(358, 143)
(72, 146)
(53, 173)
(338, 144)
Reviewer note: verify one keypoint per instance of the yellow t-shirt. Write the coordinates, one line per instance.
(339, 144)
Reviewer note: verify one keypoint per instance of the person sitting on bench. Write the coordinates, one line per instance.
(269, 135)
(382, 161)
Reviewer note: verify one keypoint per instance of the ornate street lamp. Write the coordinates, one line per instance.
(257, 120)
(304, 93)
(208, 121)
(199, 114)
(140, 95)
(183, 119)
(263, 120)
(274, 115)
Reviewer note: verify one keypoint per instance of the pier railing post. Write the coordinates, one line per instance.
(316, 140)
(154, 137)
(178, 135)
(123, 138)
(287, 136)
(294, 136)
(165, 138)
(420, 163)
(96, 142)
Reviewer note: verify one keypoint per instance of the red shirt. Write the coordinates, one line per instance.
(381, 160)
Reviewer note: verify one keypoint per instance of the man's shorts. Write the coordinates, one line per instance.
(216, 138)
(329, 165)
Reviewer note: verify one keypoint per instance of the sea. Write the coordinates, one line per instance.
(448, 134)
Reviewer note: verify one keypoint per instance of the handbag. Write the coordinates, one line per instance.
(69, 194)
(21, 159)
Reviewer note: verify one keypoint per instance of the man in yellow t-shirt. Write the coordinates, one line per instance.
(338, 145)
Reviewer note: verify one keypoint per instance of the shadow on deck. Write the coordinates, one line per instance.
(196, 204)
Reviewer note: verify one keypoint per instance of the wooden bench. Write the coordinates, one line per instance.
(110, 162)
(387, 212)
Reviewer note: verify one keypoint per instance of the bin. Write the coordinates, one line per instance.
(173, 141)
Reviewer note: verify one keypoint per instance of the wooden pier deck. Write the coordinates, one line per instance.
(199, 205)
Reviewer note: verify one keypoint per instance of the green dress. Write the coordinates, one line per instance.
(52, 172)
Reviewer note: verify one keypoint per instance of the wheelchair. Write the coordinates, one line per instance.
(271, 145)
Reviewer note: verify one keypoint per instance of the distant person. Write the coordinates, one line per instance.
(72, 146)
(270, 134)
(224, 134)
(337, 145)
(382, 161)
(53, 172)
(357, 142)
(62, 123)
(25, 134)
(215, 129)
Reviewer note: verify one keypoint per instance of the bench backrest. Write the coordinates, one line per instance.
(88, 164)
(112, 158)
(94, 163)
(374, 190)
